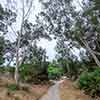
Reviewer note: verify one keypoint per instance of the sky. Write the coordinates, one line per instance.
(48, 45)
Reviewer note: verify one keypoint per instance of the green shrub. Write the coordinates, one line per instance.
(10, 69)
(17, 98)
(7, 69)
(90, 82)
(32, 73)
(54, 72)
(12, 87)
(2, 69)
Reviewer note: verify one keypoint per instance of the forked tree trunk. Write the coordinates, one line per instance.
(91, 52)
(18, 63)
(18, 47)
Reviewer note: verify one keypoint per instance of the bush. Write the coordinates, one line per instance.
(90, 82)
(12, 87)
(17, 98)
(54, 72)
(32, 73)
(10, 70)
(2, 70)
(7, 71)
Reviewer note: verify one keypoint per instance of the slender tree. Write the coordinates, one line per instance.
(25, 34)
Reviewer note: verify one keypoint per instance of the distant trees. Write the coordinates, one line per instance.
(68, 60)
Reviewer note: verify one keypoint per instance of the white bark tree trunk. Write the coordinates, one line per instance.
(24, 17)
(91, 52)
(17, 61)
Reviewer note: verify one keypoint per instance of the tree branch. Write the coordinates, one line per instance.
(28, 11)
(91, 52)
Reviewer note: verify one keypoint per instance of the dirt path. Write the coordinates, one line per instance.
(53, 92)
(69, 92)
(64, 90)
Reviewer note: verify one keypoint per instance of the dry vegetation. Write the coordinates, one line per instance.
(27, 92)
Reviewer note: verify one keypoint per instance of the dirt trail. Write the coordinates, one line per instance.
(64, 90)
(69, 92)
(53, 92)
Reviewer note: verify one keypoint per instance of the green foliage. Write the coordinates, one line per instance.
(12, 87)
(7, 69)
(2, 44)
(17, 98)
(7, 17)
(71, 68)
(75, 69)
(2, 69)
(10, 69)
(97, 4)
(26, 72)
(54, 72)
(90, 82)
(32, 73)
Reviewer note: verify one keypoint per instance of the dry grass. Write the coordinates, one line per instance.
(69, 92)
(34, 91)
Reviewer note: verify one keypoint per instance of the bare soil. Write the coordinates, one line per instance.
(34, 91)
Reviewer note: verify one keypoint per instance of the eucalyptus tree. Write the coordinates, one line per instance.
(23, 31)
(7, 22)
(86, 29)
(81, 27)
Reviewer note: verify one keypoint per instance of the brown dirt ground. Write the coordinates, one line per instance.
(69, 92)
(34, 92)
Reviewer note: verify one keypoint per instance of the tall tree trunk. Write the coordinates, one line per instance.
(91, 52)
(18, 47)
(17, 61)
